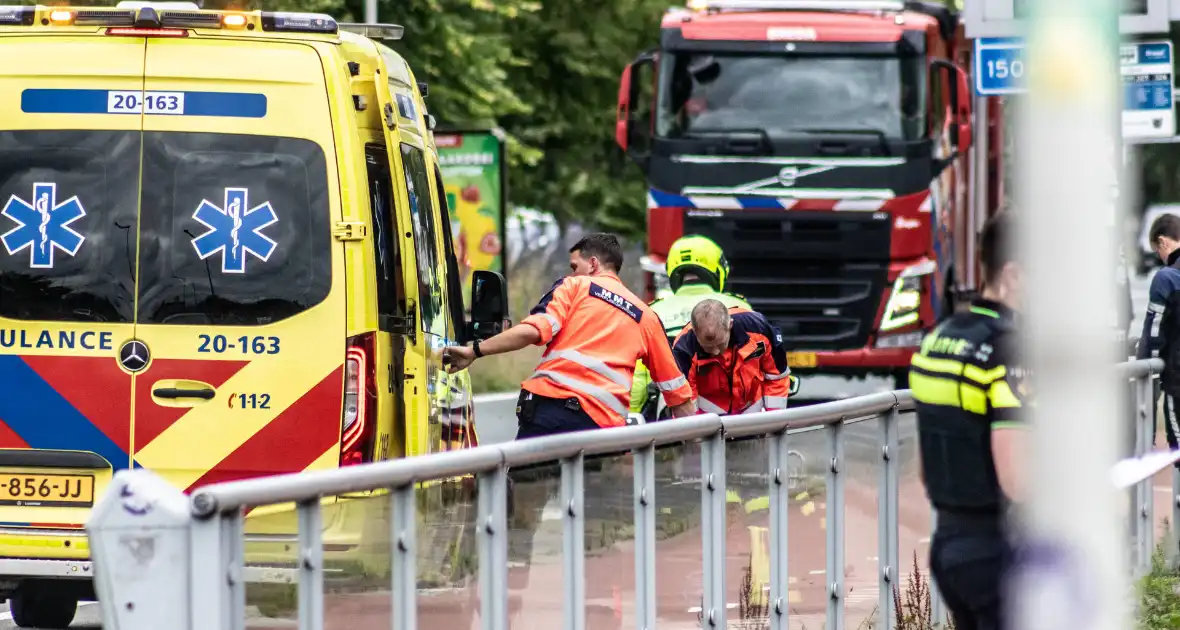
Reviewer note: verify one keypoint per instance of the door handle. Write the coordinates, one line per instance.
(181, 392)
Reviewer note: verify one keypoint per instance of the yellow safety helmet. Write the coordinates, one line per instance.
(700, 256)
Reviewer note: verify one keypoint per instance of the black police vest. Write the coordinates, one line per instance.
(955, 441)
(1170, 352)
(957, 462)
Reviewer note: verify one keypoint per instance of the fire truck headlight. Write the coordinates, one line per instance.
(906, 297)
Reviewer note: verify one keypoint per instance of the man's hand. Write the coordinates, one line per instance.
(683, 411)
(457, 358)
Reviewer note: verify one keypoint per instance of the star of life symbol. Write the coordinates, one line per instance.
(43, 225)
(234, 230)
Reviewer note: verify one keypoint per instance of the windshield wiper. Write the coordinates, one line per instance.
(737, 140)
(880, 135)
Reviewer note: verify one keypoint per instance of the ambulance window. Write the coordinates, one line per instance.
(234, 229)
(390, 292)
(430, 289)
(454, 280)
(68, 204)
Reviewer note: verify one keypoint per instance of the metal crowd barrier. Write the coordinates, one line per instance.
(161, 556)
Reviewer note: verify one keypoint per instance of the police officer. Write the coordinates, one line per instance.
(969, 383)
(1161, 325)
(697, 270)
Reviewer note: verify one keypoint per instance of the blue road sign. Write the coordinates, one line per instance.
(999, 66)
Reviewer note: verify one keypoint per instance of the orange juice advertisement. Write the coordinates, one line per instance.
(473, 172)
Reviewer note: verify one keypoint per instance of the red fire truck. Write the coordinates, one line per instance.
(823, 144)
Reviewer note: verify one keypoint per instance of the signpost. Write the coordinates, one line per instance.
(1149, 110)
(999, 66)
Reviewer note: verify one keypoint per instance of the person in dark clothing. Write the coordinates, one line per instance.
(969, 385)
(1161, 325)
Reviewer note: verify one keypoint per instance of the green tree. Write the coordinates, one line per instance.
(573, 53)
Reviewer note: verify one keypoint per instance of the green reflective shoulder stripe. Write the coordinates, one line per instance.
(985, 377)
(1001, 396)
(979, 310)
(931, 364)
(1009, 424)
(936, 390)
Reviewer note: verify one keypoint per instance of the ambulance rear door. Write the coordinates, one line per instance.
(241, 295)
(69, 194)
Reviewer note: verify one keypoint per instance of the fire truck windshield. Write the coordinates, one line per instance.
(791, 94)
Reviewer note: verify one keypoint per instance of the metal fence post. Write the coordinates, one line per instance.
(209, 578)
(887, 536)
(311, 565)
(780, 499)
(644, 467)
(492, 539)
(1144, 531)
(403, 523)
(713, 503)
(1174, 526)
(835, 526)
(573, 541)
(937, 608)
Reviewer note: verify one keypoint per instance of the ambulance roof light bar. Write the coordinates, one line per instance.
(390, 32)
(799, 5)
(17, 16)
(139, 4)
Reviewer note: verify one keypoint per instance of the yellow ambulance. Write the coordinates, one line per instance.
(225, 252)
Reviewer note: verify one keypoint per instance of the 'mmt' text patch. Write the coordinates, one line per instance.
(617, 301)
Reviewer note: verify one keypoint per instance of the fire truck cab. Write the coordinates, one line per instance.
(823, 145)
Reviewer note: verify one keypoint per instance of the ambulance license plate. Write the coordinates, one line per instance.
(46, 490)
(801, 359)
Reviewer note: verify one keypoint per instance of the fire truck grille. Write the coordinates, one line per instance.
(818, 276)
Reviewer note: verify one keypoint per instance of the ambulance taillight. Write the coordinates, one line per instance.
(359, 419)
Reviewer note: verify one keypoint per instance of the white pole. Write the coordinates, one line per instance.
(1075, 573)
(370, 11)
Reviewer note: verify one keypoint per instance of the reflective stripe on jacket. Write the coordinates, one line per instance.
(675, 311)
(750, 375)
(596, 330)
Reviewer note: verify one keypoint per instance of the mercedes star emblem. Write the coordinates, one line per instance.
(133, 356)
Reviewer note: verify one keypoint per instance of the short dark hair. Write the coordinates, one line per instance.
(604, 246)
(1164, 225)
(995, 246)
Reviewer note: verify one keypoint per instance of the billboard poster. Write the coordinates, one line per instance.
(473, 169)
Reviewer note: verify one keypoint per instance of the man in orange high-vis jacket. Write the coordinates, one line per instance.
(595, 330)
(734, 360)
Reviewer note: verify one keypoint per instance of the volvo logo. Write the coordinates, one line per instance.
(133, 356)
(787, 175)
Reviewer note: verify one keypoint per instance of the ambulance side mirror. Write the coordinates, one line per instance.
(489, 304)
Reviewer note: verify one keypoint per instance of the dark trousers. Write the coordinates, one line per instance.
(968, 564)
(538, 416)
(1171, 419)
(531, 488)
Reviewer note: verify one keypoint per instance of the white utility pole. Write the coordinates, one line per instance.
(1076, 576)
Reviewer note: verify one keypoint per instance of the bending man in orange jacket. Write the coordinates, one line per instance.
(733, 359)
(595, 330)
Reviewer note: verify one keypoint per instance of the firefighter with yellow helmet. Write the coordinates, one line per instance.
(697, 269)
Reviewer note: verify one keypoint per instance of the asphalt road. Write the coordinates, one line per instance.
(535, 570)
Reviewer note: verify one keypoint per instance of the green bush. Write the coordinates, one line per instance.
(1159, 595)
